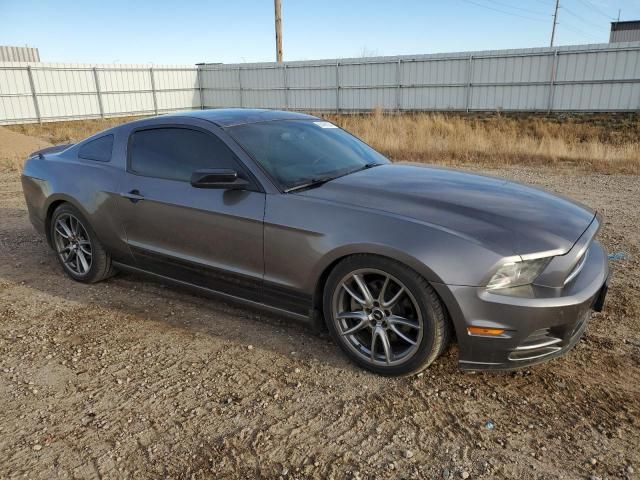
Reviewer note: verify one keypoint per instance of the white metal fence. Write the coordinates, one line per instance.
(577, 78)
(32, 92)
(587, 78)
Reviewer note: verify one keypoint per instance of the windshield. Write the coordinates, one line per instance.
(299, 152)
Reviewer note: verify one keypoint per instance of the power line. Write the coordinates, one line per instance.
(517, 8)
(503, 11)
(590, 4)
(571, 12)
(555, 16)
(579, 31)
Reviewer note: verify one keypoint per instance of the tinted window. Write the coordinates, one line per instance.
(297, 151)
(175, 153)
(98, 149)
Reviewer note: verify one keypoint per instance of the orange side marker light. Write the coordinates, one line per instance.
(484, 331)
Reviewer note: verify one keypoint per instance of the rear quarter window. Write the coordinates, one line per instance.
(99, 149)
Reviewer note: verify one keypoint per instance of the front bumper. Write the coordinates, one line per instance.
(539, 322)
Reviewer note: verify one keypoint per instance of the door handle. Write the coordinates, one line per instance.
(133, 195)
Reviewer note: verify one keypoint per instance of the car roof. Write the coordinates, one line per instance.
(229, 117)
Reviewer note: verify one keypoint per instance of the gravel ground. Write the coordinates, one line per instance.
(132, 379)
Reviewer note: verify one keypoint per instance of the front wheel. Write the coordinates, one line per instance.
(386, 317)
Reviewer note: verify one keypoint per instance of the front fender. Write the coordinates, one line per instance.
(305, 236)
(335, 255)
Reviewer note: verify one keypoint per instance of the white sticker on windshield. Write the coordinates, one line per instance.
(325, 125)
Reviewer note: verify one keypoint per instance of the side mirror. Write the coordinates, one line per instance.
(218, 178)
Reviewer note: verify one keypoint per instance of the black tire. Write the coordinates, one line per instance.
(99, 264)
(427, 346)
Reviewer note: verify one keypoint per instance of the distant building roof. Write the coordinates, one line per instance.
(19, 54)
(627, 31)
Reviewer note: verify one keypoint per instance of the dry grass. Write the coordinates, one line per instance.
(602, 144)
(591, 143)
(70, 131)
(17, 141)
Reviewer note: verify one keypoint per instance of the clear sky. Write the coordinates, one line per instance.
(230, 31)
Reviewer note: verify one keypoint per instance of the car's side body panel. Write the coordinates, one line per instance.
(36, 190)
(92, 187)
(210, 237)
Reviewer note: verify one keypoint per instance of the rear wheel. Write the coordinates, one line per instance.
(79, 252)
(385, 316)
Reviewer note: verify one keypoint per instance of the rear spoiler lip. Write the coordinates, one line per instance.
(49, 150)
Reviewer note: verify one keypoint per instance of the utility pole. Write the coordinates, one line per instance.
(278, 13)
(555, 22)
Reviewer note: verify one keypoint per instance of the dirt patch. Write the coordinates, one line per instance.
(15, 146)
(131, 379)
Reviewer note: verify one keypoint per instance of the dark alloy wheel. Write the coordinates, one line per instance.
(79, 252)
(386, 317)
(72, 244)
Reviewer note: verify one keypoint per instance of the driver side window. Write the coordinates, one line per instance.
(174, 153)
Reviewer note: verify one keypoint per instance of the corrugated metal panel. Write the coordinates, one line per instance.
(19, 54)
(263, 99)
(312, 100)
(434, 72)
(625, 31)
(320, 76)
(625, 36)
(434, 98)
(222, 98)
(510, 97)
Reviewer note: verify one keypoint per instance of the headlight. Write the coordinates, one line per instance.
(514, 274)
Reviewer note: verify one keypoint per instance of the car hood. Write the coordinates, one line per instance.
(508, 217)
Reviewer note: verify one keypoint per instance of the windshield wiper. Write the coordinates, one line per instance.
(314, 182)
(365, 167)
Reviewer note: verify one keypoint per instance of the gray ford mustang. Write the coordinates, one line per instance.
(288, 212)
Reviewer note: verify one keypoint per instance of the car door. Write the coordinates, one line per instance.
(207, 237)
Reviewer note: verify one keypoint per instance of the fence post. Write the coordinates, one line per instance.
(98, 91)
(153, 90)
(552, 82)
(337, 87)
(199, 77)
(240, 87)
(469, 84)
(34, 94)
(285, 80)
(399, 85)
